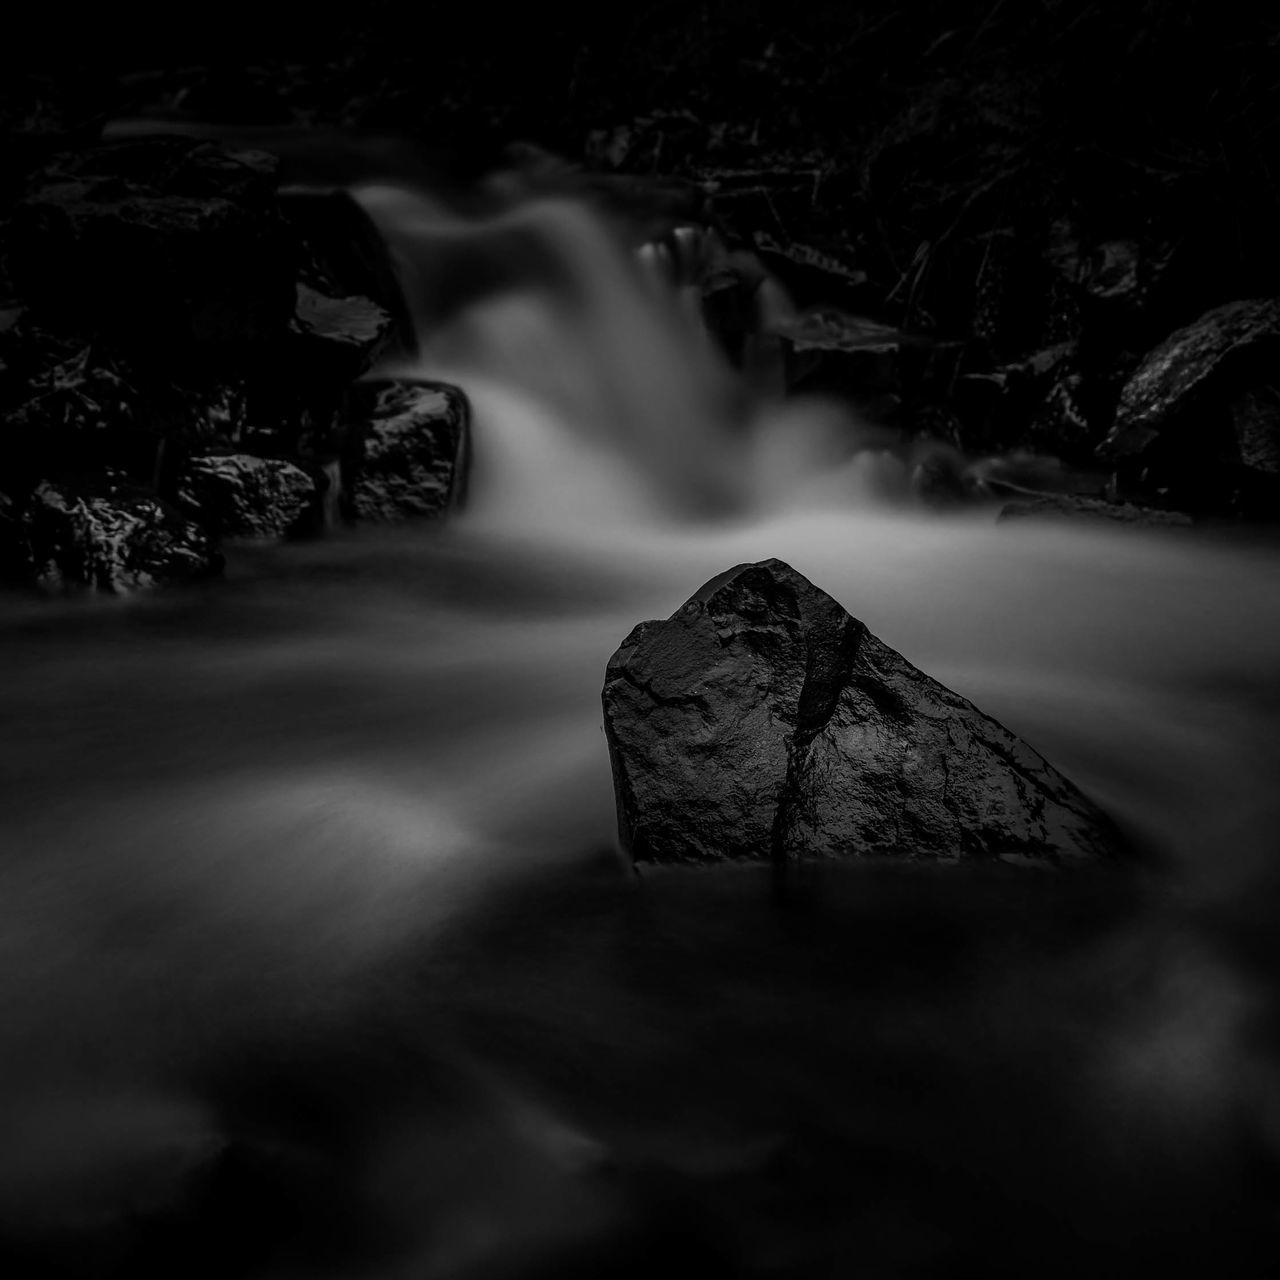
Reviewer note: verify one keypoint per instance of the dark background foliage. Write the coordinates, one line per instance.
(939, 116)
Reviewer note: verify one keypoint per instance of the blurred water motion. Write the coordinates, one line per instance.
(313, 925)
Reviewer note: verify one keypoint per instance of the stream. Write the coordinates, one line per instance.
(312, 915)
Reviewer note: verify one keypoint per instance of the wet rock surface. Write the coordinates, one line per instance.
(1197, 421)
(240, 496)
(110, 539)
(338, 338)
(404, 456)
(1176, 377)
(761, 722)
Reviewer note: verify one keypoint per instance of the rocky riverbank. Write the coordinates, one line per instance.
(937, 233)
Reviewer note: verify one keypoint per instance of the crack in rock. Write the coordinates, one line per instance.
(762, 722)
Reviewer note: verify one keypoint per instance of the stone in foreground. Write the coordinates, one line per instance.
(762, 723)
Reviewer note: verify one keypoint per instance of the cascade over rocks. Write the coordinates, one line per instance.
(762, 722)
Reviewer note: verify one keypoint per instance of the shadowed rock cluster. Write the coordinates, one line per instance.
(181, 365)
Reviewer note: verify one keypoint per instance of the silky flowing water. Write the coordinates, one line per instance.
(318, 864)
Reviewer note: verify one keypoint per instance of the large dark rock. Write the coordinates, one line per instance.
(405, 450)
(762, 722)
(1196, 423)
(1176, 378)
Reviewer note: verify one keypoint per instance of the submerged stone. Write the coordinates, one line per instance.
(761, 722)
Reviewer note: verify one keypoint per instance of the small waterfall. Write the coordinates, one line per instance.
(608, 429)
(319, 861)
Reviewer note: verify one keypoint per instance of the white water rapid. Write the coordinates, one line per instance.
(317, 863)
